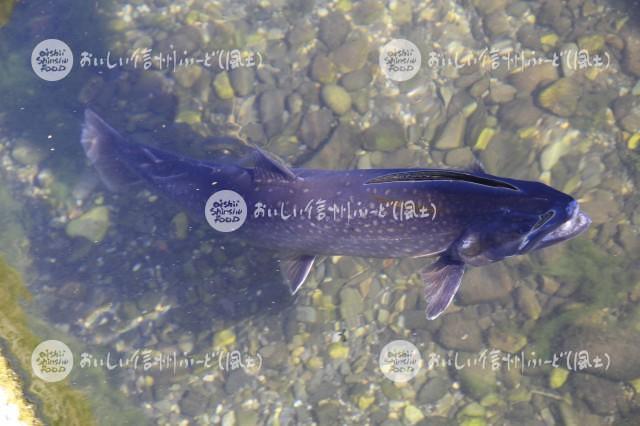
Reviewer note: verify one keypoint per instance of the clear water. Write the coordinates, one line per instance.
(169, 324)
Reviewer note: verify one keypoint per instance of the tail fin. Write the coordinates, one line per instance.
(105, 148)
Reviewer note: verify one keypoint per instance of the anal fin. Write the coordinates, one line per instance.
(441, 280)
(295, 270)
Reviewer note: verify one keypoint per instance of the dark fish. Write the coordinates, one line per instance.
(465, 218)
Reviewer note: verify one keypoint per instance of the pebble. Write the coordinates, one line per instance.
(528, 302)
(452, 135)
(27, 153)
(506, 340)
(92, 225)
(334, 29)
(356, 80)
(569, 53)
(224, 338)
(316, 126)
(631, 54)
(477, 382)
(433, 390)
(338, 351)
(412, 414)
(336, 98)
(459, 333)
(351, 304)
(242, 80)
(561, 97)
(322, 69)
(519, 113)
(351, 55)
(459, 158)
(530, 78)
(558, 378)
(385, 135)
(222, 86)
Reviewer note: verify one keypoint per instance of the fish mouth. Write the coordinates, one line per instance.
(575, 225)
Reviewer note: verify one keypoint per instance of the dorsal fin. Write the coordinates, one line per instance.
(434, 174)
(269, 167)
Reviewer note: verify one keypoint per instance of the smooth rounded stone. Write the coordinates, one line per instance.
(452, 135)
(519, 113)
(323, 70)
(530, 37)
(27, 153)
(517, 9)
(352, 55)
(487, 284)
(475, 381)
(336, 98)
(316, 126)
(487, 7)
(412, 414)
(187, 76)
(603, 396)
(527, 302)
(552, 153)
(529, 79)
(92, 225)
(500, 92)
(356, 80)
(629, 238)
(245, 417)
(242, 80)
(367, 12)
(303, 32)
(222, 86)
(619, 343)
(271, 107)
(506, 340)
(360, 101)
(561, 97)
(195, 401)
(593, 43)
(351, 304)
(601, 206)
(459, 158)
(568, 54)
(433, 390)
(306, 314)
(497, 23)
(337, 350)
(626, 110)
(338, 152)
(334, 29)
(558, 377)
(385, 135)
(459, 333)
(327, 413)
(295, 103)
(236, 380)
(631, 53)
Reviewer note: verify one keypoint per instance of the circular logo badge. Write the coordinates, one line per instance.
(52, 59)
(226, 211)
(400, 59)
(400, 361)
(52, 360)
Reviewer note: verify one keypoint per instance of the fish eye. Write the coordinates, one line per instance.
(544, 218)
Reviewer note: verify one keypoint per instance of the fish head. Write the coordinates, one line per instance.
(532, 217)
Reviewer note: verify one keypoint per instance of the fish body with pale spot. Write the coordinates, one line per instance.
(464, 218)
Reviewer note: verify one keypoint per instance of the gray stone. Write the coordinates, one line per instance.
(487, 284)
(433, 390)
(334, 29)
(459, 333)
(316, 127)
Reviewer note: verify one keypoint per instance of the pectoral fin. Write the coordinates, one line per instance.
(295, 270)
(442, 280)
